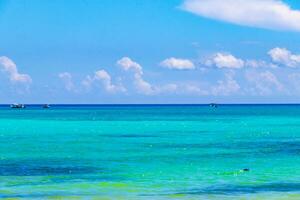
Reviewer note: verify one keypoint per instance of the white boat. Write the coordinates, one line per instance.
(46, 106)
(17, 106)
(213, 105)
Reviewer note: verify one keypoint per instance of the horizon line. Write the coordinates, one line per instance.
(150, 104)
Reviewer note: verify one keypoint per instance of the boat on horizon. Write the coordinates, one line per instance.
(46, 106)
(213, 105)
(19, 106)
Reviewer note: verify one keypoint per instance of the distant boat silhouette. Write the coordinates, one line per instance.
(17, 106)
(213, 105)
(46, 106)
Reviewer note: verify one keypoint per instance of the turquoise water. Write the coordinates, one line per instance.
(150, 152)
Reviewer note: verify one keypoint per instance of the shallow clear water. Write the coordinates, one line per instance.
(150, 152)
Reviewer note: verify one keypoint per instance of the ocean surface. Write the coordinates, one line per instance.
(150, 152)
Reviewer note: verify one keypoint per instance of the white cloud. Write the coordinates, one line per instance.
(141, 85)
(221, 60)
(229, 61)
(103, 76)
(11, 69)
(269, 14)
(66, 77)
(105, 79)
(224, 87)
(177, 63)
(227, 86)
(100, 76)
(264, 82)
(284, 57)
(259, 64)
(127, 64)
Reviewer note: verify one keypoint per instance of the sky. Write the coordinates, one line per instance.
(149, 51)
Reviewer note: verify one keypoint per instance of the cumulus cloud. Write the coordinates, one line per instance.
(227, 86)
(264, 82)
(260, 64)
(177, 63)
(269, 14)
(229, 61)
(104, 78)
(128, 64)
(284, 57)
(142, 85)
(11, 69)
(66, 77)
(221, 60)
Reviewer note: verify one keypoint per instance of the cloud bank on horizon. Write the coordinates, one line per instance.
(269, 14)
(260, 82)
(257, 73)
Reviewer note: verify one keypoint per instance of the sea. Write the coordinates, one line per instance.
(150, 152)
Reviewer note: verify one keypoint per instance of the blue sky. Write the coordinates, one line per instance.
(149, 51)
